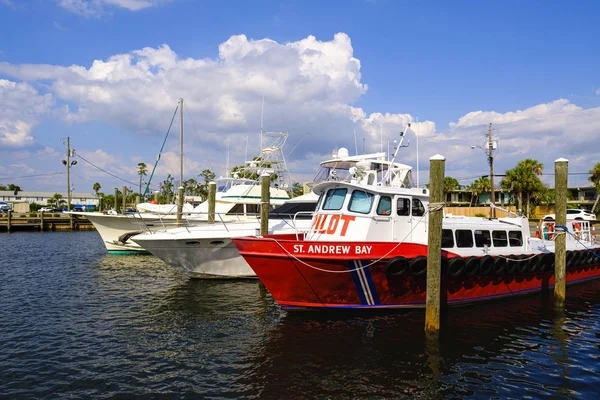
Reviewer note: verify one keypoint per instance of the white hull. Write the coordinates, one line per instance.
(207, 251)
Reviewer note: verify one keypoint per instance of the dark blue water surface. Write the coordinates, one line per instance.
(78, 323)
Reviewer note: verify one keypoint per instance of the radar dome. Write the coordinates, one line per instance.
(342, 152)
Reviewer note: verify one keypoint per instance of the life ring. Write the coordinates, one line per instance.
(471, 266)
(551, 232)
(397, 266)
(499, 265)
(577, 229)
(418, 266)
(512, 264)
(486, 265)
(456, 266)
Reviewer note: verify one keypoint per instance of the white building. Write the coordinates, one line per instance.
(24, 196)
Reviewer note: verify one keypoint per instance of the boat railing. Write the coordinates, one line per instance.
(578, 230)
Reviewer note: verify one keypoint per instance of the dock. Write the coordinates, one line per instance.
(43, 222)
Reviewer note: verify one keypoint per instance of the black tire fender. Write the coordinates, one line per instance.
(471, 266)
(418, 266)
(456, 266)
(486, 265)
(397, 266)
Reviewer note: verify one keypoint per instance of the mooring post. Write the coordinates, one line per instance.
(265, 199)
(8, 223)
(116, 199)
(124, 199)
(561, 171)
(41, 221)
(212, 200)
(179, 204)
(434, 247)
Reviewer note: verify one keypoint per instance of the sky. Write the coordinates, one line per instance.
(108, 75)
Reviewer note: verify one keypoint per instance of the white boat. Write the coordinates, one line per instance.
(239, 203)
(207, 251)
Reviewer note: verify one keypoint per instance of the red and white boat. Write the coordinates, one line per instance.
(367, 248)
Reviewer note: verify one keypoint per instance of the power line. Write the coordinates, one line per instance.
(103, 170)
(31, 176)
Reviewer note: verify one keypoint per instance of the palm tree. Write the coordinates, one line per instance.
(142, 169)
(595, 179)
(96, 188)
(450, 184)
(523, 180)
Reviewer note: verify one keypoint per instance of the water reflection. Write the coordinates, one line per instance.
(494, 349)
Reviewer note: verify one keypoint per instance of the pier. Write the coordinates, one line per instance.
(43, 222)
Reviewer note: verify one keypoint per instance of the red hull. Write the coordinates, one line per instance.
(348, 275)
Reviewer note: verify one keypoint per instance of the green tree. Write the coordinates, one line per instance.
(96, 188)
(297, 189)
(480, 185)
(166, 189)
(142, 169)
(13, 187)
(2, 187)
(595, 179)
(523, 181)
(56, 200)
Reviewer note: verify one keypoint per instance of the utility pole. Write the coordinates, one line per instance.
(68, 173)
(491, 146)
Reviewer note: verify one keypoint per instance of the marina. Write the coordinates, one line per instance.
(77, 322)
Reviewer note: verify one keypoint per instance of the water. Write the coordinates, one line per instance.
(78, 323)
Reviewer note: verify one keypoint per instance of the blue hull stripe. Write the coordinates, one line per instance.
(357, 284)
(367, 272)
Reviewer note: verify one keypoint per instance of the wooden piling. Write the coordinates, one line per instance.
(179, 204)
(212, 200)
(124, 199)
(561, 171)
(41, 221)
(8, 223)
(265, 199)
(116, 200)
(434, 247)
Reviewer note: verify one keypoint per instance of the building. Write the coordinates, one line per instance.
(90, 201)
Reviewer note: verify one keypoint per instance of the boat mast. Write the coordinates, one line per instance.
(181, 142)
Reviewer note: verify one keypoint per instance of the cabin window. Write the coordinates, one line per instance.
(403, 206)
(334, 199)
(320, 201)
(499, 238)
(252, 208)
(464, 238)
(447, 238)
(385, 205)
(515, 238)
(361, 202)
(417, 208)
(482, 238)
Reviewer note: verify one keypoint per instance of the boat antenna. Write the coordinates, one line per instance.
(402, 136)
(299, 141)
(227, 158)
(262, 114)
(355, 144)
(417, 136)
(181, 142)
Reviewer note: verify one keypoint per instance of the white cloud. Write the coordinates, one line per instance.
(309, 86)
(95, 8)
(20, 106)
(598, 91)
